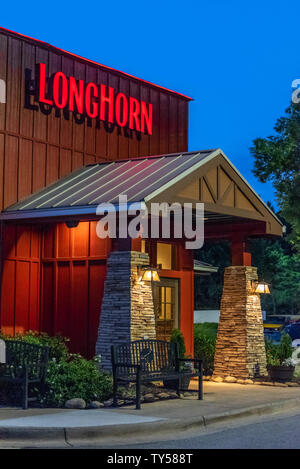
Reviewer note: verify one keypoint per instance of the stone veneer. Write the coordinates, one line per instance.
(127, 311)
(240, 348)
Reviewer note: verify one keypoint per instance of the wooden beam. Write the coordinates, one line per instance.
(240, 254)
(228, 230)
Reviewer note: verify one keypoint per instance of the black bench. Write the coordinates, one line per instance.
(144, 361)
(25, 364)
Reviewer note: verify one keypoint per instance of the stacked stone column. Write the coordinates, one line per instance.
(127, 311)
(240, 348)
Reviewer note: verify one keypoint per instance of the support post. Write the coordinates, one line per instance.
(240, 348)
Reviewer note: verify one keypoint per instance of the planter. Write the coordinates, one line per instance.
(280, 372)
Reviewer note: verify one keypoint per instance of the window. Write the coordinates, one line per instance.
(165, 256)
(166, 305)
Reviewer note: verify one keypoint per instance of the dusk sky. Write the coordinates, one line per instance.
(236, 60)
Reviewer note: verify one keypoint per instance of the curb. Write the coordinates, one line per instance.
(69, 435)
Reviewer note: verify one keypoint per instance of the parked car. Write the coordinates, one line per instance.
(293, 330)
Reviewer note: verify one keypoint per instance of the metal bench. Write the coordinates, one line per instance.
(144, 361)
(25, 364)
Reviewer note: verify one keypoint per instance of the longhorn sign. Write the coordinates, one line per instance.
(2, 92)
(2, 351)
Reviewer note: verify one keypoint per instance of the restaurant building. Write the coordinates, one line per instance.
(74, 134)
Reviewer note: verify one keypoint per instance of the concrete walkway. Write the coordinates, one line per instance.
(221, 402)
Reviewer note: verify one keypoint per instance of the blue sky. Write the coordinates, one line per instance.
(236, 59)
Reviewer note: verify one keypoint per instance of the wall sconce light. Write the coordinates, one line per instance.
(149, 274)
(260, 287)
(72, 223)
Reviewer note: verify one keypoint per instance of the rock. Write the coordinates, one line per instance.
(75, 403)
(249, 381)
(108, 403)
(230, 379)
(149, 397)
(240, 381)
(96, 405)
(217, 379)
(128, 402)
(163, 395)
(293, 384)
(121, 402)
(173, 395)
(266, 383)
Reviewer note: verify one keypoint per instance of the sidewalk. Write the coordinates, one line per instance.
(222, 402)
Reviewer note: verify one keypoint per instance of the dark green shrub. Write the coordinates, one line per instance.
(57, 344)
(177, 338)
(205, 337)
(68, 376)
(76, 378)
(277, 354)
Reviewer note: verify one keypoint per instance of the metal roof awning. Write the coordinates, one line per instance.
(83, 190)
(205, 176)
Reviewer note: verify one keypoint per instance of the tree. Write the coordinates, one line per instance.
(277, 159)
(277, 265)
(208, 288)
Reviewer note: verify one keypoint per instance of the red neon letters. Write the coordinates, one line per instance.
(96, 101)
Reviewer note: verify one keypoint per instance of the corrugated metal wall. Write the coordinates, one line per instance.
(53, 281)
(36, 149)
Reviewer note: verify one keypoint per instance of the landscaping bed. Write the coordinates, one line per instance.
(76, 383)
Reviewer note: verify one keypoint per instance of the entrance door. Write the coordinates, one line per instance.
(166, 305)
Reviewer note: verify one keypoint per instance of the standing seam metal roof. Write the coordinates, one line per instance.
(104, 182)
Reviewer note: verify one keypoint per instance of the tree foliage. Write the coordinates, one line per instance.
(277, 159)
(278, 265)
(208, 288)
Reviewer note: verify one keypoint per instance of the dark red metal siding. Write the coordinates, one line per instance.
(73, 274)
(36, 149)
(53, 280)
(20, 279)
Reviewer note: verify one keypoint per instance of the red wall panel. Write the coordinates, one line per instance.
(97, 274)
(74, 269)
(8, 297)
(39, 146)
(20, 283)
(53, 280)
(63, 298)
(34, 297)
(48, 302)
(22, 296)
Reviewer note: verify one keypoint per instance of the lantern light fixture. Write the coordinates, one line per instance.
(72, 223)
(260, 287)
(149, 274)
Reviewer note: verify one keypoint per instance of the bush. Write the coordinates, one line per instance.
(68, 375)
(278, 354)
(177, 338)
(205, 337)
(58, 349)
(76, 378)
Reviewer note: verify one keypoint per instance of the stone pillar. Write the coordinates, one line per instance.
(127, 311)
(240, 349)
